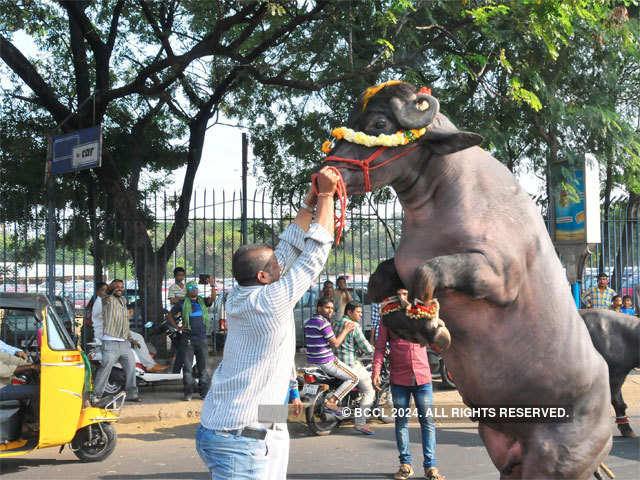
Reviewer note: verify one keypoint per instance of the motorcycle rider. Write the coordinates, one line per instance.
(319, 340)
(355, 342)
(195, 317)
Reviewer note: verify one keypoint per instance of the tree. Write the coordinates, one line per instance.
(155, 74)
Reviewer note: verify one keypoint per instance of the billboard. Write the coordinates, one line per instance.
(77, 150)
(577, 203)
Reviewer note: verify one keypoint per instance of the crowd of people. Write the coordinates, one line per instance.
(602, 296)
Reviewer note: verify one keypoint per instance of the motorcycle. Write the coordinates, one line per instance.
(317, 387)
(117, 379)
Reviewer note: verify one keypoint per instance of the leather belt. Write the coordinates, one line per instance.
(254, 432)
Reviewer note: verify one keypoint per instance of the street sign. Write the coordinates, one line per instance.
(77, 150)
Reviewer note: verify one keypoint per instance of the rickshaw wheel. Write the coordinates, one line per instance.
(95, 442)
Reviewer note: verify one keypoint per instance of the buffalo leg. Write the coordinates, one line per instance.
(479, 275)
(622, 421)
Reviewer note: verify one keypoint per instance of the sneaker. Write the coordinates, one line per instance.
(433, 474)
(365, 430)
(187, 398)
(405, 471)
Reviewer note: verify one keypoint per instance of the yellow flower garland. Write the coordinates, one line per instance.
(402, 137)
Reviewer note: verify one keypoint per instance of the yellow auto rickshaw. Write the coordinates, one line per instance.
(62, 413)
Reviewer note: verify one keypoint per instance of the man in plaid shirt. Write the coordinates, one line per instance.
(375, 323)
(599, 296)
(355, 342)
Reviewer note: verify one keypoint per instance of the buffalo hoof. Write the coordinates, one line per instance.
(441, 337)
(627, 431)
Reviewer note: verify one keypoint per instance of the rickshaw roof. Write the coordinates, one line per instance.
(36, 301)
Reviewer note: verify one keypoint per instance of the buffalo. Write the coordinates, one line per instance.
(473, 238)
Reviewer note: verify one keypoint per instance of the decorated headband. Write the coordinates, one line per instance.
(401, 137)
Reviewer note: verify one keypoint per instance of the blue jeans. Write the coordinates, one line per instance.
(229, 456)
(423, 398)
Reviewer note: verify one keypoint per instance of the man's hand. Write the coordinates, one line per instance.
(297, 406)
(327, 181)
(21, 354)
(350, 326)
(375, 379)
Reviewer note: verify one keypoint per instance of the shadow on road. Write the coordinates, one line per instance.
(15, 465)
(333, 476)
(159, 476)
(628, 448)
(185, 431)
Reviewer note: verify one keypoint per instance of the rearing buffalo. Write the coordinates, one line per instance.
(474, 239)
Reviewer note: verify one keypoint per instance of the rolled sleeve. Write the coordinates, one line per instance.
(290, 246)
(283, 294)
(381, 346)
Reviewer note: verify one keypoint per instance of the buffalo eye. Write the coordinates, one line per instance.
(380, 124)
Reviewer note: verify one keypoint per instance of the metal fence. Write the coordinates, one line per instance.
(215, 232)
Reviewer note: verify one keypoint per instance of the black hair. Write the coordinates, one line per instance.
(341, 277)
(625, 297)
(327, 282)
(246, 263)
(99, 285)
(117, 280)
(178, 270)
(351, 306)
(614, 297)
(602, 274)
(322, 301)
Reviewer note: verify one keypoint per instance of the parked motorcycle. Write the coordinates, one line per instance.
(318, 387)
(117, 379)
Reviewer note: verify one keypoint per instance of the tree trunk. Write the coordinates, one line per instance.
(608, 185)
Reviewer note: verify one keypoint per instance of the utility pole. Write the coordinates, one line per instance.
(245, 167)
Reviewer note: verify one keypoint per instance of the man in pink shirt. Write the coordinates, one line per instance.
(410, 375)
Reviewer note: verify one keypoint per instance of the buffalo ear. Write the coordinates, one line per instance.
(444, 138)
(454, 143)
(384, 282)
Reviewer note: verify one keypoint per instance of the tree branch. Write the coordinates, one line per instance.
(17, 62)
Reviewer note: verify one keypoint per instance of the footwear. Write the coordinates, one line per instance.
(187, 398)
(364, 429)
(134, 399)
(405, 471)
(433, 474)
(157, 368)
(100, 402)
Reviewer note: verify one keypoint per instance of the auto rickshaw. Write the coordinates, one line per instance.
(62, 414)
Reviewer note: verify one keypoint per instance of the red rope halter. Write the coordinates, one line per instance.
(341, 192)
(365, 166)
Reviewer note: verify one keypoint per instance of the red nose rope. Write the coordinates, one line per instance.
(365, 166)
(341, 191)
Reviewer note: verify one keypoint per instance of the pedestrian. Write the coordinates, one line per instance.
(116, 344)
(616, 303)
(141, 347)
(327, 289)
(627, 305)
(234, 438)
(356, 343)
(599, 296)
(177, 291)
(88, 330)
(194, 311)
(320, 339)
(375, 323)
(410, 375)
(341, 297)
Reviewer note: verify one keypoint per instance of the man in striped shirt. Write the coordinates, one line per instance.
(320, 339)
(258, 361)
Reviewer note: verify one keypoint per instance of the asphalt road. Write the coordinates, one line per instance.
(167, 451)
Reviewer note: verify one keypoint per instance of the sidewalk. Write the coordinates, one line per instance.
(163, 402)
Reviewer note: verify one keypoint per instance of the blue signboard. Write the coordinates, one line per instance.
(77, 151)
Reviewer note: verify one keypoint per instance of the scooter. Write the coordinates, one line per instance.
(117, 379)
